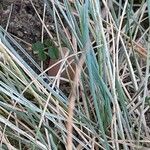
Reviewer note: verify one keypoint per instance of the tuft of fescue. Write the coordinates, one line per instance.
(109, 99)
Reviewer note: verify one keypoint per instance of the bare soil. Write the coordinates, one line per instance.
(24, 22)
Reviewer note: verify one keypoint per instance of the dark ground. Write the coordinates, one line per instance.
(24, 23)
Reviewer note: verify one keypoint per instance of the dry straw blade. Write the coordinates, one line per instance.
(23, 95)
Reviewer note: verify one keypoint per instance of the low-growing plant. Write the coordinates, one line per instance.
(45, 50)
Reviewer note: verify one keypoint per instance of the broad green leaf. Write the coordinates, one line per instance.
(53, 52)
(42, 55)
(38, 46)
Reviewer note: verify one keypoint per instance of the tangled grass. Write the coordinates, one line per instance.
(109, 97)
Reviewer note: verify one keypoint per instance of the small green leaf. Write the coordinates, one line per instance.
(53, 52)
(48, 43)
(38, 46)
(42, 55)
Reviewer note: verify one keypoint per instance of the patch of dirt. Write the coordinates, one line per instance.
(24, 22)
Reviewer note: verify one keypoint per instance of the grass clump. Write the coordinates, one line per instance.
(109, 94)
